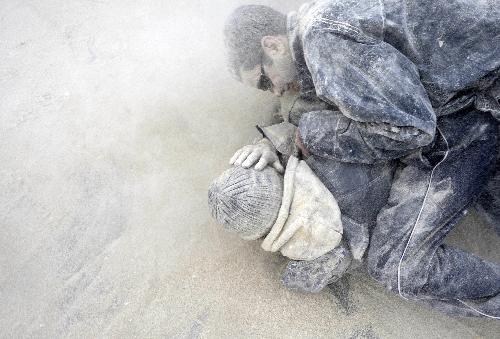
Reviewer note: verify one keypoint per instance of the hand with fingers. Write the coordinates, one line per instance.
(261, 154)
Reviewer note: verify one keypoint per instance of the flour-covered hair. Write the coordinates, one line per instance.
(243, 32)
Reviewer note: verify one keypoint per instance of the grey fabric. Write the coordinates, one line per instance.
(352, 185)
(488, 203)
(293, 105)
(309, 222)
(406, 252)
(362, 190)
(281, 136)
(313, 275)
(246, 201)
(391, 67)
(488, 100)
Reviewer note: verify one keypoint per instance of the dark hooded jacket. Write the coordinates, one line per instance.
(391, 68)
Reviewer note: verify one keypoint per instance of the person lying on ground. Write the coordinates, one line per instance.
(390, 93)
(320, 200)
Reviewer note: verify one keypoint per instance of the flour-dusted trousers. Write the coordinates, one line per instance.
(488, 203)
(407, 254)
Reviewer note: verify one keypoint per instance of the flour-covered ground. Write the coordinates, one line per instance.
(115, 116)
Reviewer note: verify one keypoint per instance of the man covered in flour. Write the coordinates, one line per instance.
(379, 80)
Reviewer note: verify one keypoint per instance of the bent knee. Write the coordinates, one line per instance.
(406, 276)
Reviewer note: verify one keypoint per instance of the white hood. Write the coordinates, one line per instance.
(308, 223)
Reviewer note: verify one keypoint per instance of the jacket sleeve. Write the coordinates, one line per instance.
(314, 275)
(384, 109)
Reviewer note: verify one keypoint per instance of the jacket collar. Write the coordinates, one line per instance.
(294, 39)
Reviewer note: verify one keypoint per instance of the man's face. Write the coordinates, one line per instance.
(277, 71)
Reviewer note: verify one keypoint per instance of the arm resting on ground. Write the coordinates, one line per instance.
(313, 275)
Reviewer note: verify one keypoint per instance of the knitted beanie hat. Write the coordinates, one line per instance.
(246, 201)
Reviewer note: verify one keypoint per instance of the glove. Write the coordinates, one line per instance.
(313, 275)
(261, 154)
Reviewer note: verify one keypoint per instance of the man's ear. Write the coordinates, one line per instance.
(272, 45)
